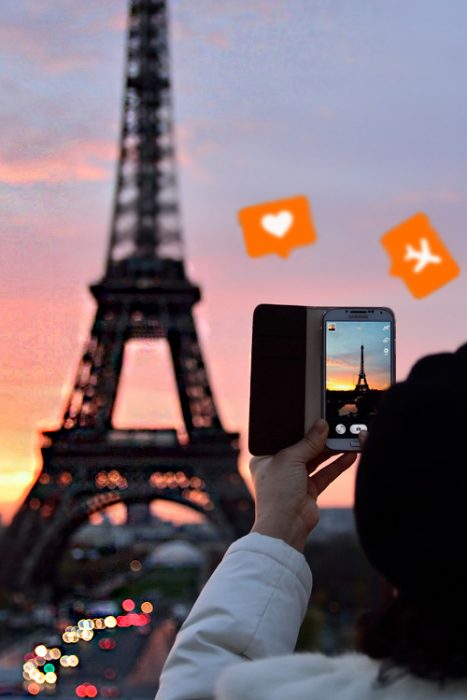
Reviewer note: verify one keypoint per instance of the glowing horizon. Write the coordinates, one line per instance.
(333, 385)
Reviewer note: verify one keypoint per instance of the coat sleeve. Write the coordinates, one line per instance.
(251, 608)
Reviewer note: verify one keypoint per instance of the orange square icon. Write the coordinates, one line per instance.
(277, 227)
(419, 256)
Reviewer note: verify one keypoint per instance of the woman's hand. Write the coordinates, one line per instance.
(286, 491)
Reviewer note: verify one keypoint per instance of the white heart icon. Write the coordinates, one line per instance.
(277, 224)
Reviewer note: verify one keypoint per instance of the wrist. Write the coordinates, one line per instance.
(292, 534)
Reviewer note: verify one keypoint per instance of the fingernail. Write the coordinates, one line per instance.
(320, 426)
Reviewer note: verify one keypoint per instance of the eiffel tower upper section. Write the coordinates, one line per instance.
(144, 292)
(146, 224)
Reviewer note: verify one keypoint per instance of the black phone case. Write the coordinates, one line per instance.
(277, 407)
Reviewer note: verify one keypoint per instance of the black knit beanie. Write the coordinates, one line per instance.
(411, 487)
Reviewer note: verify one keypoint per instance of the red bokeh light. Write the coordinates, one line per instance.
(86, 690)
(107, 643)
(128, 605)
(133, 619)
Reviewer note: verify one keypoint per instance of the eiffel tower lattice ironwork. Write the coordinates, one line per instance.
(87, 464)
(362, 384)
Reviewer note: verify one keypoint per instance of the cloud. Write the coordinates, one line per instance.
(340, 364)
(221, 40)
(420, 198)
(60, 37)
(37, 8)
(89, 161)
(53, 56)
(193, 149)
(183, 31)
(196, 23)
(198, 139)
(267, 11)
(271, 12)
(119, 21)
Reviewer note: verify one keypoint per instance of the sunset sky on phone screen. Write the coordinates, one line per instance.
(343, 353)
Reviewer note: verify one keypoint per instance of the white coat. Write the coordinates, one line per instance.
(251, 610)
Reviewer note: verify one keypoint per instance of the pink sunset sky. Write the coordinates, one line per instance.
(358, 106)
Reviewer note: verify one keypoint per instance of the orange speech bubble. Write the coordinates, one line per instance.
(419, 256)
(277, 227)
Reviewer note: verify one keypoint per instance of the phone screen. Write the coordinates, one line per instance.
(358, 366)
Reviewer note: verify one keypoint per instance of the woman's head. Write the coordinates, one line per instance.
(411, 488)
(411, 492)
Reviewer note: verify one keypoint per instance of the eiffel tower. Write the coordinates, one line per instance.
(87, 463)
(362, 385)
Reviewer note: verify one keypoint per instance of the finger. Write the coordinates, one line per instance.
(310, 446)
(326, 476)
(363, 436)
(326, 454)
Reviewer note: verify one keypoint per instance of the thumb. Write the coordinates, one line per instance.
(312, 443)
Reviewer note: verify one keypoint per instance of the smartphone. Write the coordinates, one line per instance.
(286, 375)
(359, 351)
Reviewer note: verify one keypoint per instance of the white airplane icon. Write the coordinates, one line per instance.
(424, 256)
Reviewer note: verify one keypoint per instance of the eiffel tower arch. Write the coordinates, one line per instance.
(144, 293)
